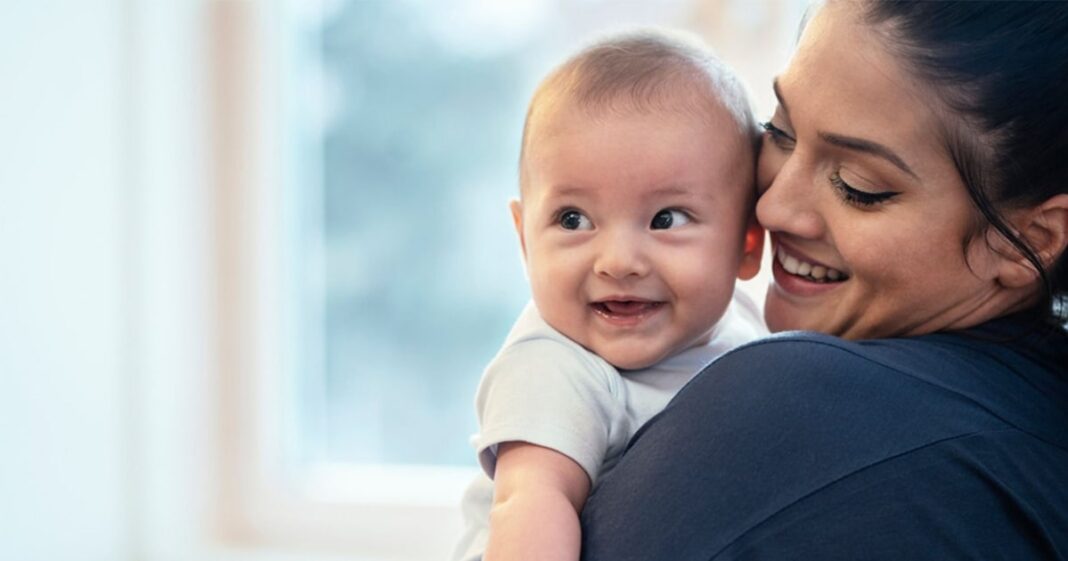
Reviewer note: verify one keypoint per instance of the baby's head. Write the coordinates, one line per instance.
(636, 196)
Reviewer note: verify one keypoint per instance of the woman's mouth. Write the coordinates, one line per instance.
(812, 272)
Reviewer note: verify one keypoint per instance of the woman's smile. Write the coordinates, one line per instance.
(796, 263)
(799, 275)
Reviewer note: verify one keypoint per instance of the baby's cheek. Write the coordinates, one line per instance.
(708, 289)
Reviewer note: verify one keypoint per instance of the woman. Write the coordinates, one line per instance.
(914, 183)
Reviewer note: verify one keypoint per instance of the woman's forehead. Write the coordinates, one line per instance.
(843, 82)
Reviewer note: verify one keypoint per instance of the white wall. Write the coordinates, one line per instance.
(105, 253)
(62, 283)
(173, 406)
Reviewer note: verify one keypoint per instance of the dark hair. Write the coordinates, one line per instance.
(1001, 70)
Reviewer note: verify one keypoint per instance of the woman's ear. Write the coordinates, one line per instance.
(517, 218)
(1045, 229)
(752, 251)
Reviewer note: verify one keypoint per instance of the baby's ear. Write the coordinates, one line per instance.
(752, 251)
(1045, 229)
(517, 218)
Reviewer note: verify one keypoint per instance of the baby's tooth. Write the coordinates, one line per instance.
(833, 274)
(818, 272)
(804, 269)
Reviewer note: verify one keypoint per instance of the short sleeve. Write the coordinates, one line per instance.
(543, 392)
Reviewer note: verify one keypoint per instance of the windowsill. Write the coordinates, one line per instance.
(265, 553)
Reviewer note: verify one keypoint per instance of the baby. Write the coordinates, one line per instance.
(635, 218)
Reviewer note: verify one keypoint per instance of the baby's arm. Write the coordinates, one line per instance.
(538, 494)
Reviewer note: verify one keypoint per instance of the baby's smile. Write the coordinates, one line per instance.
(625, 311)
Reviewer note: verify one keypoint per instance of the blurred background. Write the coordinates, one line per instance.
(254, 256)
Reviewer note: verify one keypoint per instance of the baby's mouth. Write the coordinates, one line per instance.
(625, 308)
(809, 271)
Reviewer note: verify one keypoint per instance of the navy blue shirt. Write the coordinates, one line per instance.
(805, 446)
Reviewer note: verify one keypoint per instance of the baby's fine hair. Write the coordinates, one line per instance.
(645, 70)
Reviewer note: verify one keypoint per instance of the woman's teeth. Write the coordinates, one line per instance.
(818, 273)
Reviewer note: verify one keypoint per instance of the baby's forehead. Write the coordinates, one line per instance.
(641, 155)
(559, 114)
(687, 97)
(675, 170)
(701, 119)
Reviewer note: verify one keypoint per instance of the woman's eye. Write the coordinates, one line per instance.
(856, 197)
(777, 135)
(669, 218)
(574, 220)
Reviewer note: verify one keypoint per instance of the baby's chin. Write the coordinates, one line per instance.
(630, 360)
(631, 355)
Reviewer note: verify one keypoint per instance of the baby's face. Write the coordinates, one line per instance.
(634, 228)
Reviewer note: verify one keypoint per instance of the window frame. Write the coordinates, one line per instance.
(372, 511)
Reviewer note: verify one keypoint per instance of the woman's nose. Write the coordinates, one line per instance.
(790, 201)
(621, 255)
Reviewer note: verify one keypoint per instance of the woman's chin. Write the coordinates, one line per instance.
(776, 321)
(783, 313)
(777, 314)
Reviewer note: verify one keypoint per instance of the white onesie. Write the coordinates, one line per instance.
(545, 389)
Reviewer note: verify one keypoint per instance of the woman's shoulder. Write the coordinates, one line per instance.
(957, 361)
(797, 352)
(814, 372)
(789, 342)
(1017, 341)
(941, 385)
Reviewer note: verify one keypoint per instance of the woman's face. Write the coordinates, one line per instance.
(868, 216)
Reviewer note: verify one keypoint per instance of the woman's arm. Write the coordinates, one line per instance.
(538, 494)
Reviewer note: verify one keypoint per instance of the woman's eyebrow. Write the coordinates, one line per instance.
(852, 143)
(868, 147)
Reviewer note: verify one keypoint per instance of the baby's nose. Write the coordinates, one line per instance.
(622, 255)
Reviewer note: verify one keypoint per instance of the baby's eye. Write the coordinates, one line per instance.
(574, 220)
(669, 218)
